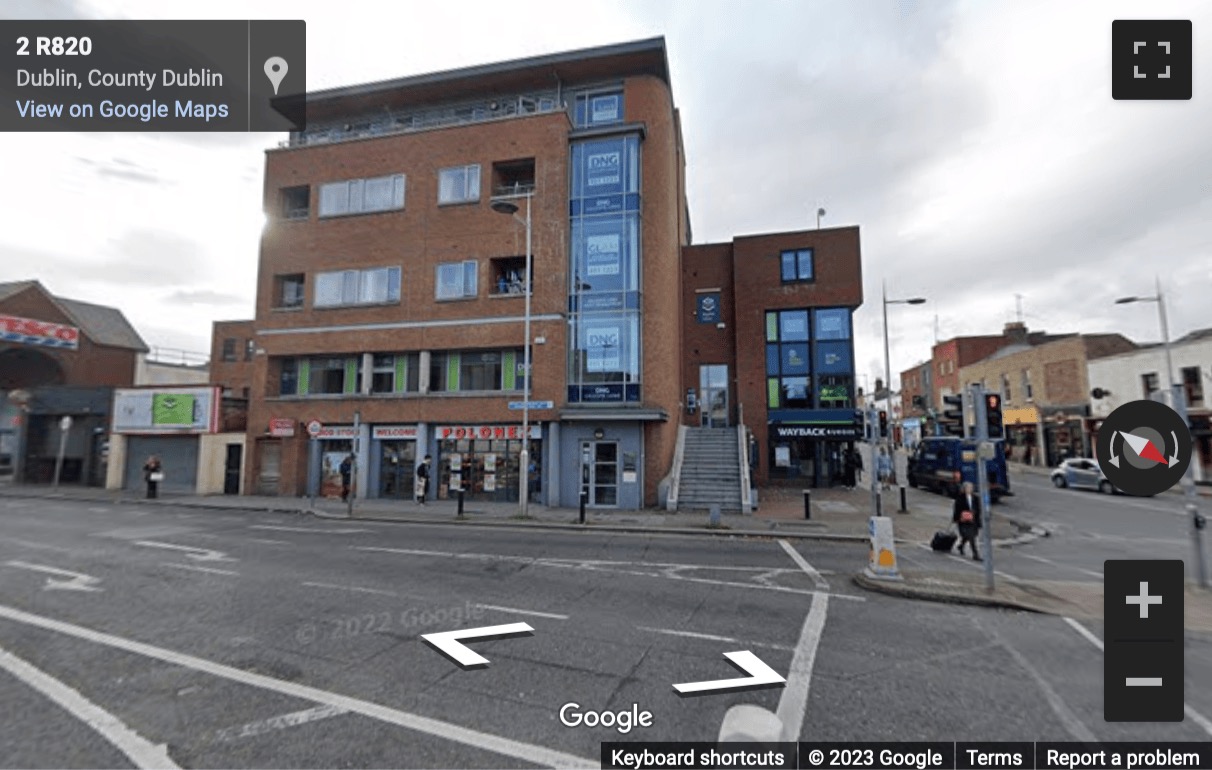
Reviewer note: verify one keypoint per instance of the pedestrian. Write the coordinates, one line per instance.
(883, 465)
(153, 474)
(858, 465)
(849, 469)
(422, 485)
(346, 469)
(966, 514)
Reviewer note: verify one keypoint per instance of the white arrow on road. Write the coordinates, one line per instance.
(450, 643)
(760, 675)
(78, 581)
(198, 554)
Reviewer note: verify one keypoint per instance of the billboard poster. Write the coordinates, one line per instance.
(602, 168)
(166, 410)
(833, 358)
(604, 109)
(603, 349)
(602, 255)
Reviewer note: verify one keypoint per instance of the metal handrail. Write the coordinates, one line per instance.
(746, 493)
(675, 474)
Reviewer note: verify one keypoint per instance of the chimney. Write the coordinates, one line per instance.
(1015, 333)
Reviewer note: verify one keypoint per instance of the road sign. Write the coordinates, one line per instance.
(531, 404)
(314, 427)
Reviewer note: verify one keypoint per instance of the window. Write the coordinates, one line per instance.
(508, 275)
(1026, 378)
(788, 367)
(437, 372)
(456, 280)
(383, 374)
(513, 177)
(1193, 386)
(362, 196)
(1006, 387)
(796, 265)
(1149, 383)
(480, 371)
(288, 290)
(598, 109)
(288, 381)
(296, 202)
(250, 347)
(460, 184)
(330, 376)
(229, 349)
(835, 392)
(358, 287)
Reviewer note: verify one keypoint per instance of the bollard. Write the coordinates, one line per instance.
(584, 500)
(879, 503)
(904, 502)
(460, 502)
(713, 519)
(807, 503)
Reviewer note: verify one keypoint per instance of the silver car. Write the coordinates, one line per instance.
(1082, 473)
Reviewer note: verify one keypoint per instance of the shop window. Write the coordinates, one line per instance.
(1193, 386)
(296, 202)
(513, 177)
(508, 275)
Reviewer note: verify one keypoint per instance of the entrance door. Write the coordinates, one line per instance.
(713, 384)
(603, 468)
(397, 464)
(271, 467)
(231, 469)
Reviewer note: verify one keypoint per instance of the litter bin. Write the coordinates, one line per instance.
(807, 504)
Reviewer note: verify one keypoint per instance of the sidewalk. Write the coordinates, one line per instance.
(836, 514)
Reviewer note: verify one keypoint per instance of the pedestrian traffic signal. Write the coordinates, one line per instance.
(993, 415)
(952, 419)
(883, 424)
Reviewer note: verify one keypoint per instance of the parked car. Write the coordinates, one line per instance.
(1082, 473)
(943, 463)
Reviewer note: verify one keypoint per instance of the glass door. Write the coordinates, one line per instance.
(603, 472)
(713, 384)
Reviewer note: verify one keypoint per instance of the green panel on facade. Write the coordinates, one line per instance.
(453, 364)
(509, 370)
(351, 375)
(772, 392)
(304, 376)
(401, 373)
(772, 327)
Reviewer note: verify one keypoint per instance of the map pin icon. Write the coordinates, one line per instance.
(275, 70)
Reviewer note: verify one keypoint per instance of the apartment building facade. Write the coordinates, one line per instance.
(392, 295)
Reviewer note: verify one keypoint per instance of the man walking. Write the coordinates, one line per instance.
(967, 515)
(346, 471)
(422, 488)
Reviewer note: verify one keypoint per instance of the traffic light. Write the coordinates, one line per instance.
(993, 415)
(883, 424)
(952, 419)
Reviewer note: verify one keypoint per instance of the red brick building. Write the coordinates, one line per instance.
(391, 295)
(768, 343)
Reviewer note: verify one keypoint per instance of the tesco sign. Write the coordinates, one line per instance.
(27, 331)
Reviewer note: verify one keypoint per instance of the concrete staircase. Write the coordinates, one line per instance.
(711, 471)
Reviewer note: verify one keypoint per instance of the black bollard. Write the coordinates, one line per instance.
(904, 502)
(460, 501)
(584, 500)
(807, 504)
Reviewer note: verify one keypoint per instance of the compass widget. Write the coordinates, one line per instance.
(1144, 448)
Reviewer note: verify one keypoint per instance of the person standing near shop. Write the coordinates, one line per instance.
(153, 474)
(346, 470)
(422, 485)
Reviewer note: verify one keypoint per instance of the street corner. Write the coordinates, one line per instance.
(947, 588)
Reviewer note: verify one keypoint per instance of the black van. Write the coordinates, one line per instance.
(943, 463)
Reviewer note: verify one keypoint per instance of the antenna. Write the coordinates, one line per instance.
(936, 328)
(1018, 306)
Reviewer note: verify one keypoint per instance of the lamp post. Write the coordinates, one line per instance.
(819, 213)
(888, 362)
(506, 206)
(1178, 402)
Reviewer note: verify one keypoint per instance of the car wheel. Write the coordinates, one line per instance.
(1106, 487)
(1060, 482)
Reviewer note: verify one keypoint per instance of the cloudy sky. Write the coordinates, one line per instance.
(975, 143)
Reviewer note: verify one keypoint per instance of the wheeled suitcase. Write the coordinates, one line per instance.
(943, 540)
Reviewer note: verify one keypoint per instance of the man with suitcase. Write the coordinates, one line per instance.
(966, 514)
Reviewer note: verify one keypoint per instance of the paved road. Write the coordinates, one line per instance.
(255, 640)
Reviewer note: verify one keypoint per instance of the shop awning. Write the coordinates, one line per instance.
(614, 415)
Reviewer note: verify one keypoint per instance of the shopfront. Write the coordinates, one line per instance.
(1021, 426)
(335, 443)
(393, 458)
(485, 460)
(811, 453)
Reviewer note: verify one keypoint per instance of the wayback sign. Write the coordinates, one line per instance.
(27, 331)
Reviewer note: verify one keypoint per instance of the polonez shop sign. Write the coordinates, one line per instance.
(486, 432)
(818, 431)
(27, 331)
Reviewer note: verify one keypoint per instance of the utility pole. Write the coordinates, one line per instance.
(984, 452)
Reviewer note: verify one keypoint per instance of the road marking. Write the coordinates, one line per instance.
(1084, 571)
(264, 726)
(590, 566)
(308, 530)
(714, 638)
(450, 643)
(199, 554)
(358, 589)
(1072, 723)
(78, 580)
(516, 611)
(505, 746)
(575, 562)
(140, 751)
(757, 674)
(972, 563)
(37, 546)
(195, 568)
(796, 557)
(793, 703)
(268, 541)
(1196, 717)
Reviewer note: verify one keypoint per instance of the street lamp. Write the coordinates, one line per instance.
(1179, 404)
(819, 213)
(507, 206)
(888, 362)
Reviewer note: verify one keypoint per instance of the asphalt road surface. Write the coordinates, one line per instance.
(138, 637)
